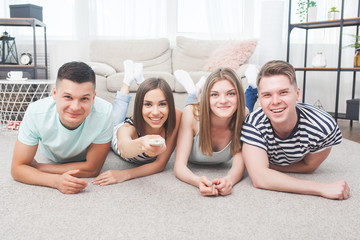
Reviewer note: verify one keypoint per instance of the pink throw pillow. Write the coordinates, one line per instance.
(231, 54)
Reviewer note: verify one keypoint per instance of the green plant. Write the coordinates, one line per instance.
(302, 9)
(356, 44)
(333, 9)
(312, 4)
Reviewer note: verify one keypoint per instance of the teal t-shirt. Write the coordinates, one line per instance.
(41, 125)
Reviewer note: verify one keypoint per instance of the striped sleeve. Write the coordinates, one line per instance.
(324, 130)
(139, 159)
(252, 135)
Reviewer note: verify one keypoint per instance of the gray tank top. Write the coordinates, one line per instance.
(198, 158)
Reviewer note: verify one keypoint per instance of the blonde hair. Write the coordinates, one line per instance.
(204, 111)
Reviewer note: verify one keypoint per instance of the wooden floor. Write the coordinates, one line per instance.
(351, 133)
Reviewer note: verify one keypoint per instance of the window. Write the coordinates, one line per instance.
(191, 16)
(212, 17)
(129, 18)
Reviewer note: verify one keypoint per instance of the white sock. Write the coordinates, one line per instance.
(200, 84)
(251, 75)
(138, 73)
(128, 72)
(185, 80)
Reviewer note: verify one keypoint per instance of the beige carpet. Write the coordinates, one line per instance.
(162, 207)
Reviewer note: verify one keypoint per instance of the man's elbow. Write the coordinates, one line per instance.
(14, 173)
(310, 168)
(93, 174)
(89, 172)
(309, 171)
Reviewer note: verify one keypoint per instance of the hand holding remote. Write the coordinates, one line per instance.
(157, 142)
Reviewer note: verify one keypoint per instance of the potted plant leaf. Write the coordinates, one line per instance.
(333, 14)
(307, 9)
(355, 45)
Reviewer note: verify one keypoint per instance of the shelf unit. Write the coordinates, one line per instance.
(15, 97)
(34, 68)
(339, 23)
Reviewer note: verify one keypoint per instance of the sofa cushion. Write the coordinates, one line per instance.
(101, 69)
(155, 54)
(231, 54)
(114, 82)
(191, 54)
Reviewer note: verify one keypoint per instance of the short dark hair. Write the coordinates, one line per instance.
(78, 72)
(147, 85)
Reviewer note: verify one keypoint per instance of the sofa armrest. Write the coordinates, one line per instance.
(102, 69)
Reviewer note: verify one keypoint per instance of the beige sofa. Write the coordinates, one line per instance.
(159, 60)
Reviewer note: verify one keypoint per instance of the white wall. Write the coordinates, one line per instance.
(265, 20)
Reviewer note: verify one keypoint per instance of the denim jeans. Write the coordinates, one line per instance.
(251, 98)
(191, 99)
(120, 108)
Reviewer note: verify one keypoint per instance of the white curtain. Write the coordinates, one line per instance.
(79, 19)
(128, 18)
(225, 17)
(212, 19)
(273, 30)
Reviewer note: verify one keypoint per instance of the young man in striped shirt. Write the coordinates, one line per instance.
(286, 136)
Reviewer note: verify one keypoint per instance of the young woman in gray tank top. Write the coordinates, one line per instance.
(210, 131)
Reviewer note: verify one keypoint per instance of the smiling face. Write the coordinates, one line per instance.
(155, 109)
(223, 99)
(73, 102)
(277, 97)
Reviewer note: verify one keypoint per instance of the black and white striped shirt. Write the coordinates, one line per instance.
(139, 159)
(314, 131)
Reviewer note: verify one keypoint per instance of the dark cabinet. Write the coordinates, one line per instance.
(37, 69)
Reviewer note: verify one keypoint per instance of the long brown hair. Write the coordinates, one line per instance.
(204, 113)
(147, 85)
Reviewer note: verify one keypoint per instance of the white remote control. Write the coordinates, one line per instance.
(157, 142)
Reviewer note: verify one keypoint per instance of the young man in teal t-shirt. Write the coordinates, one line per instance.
(73, 128)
